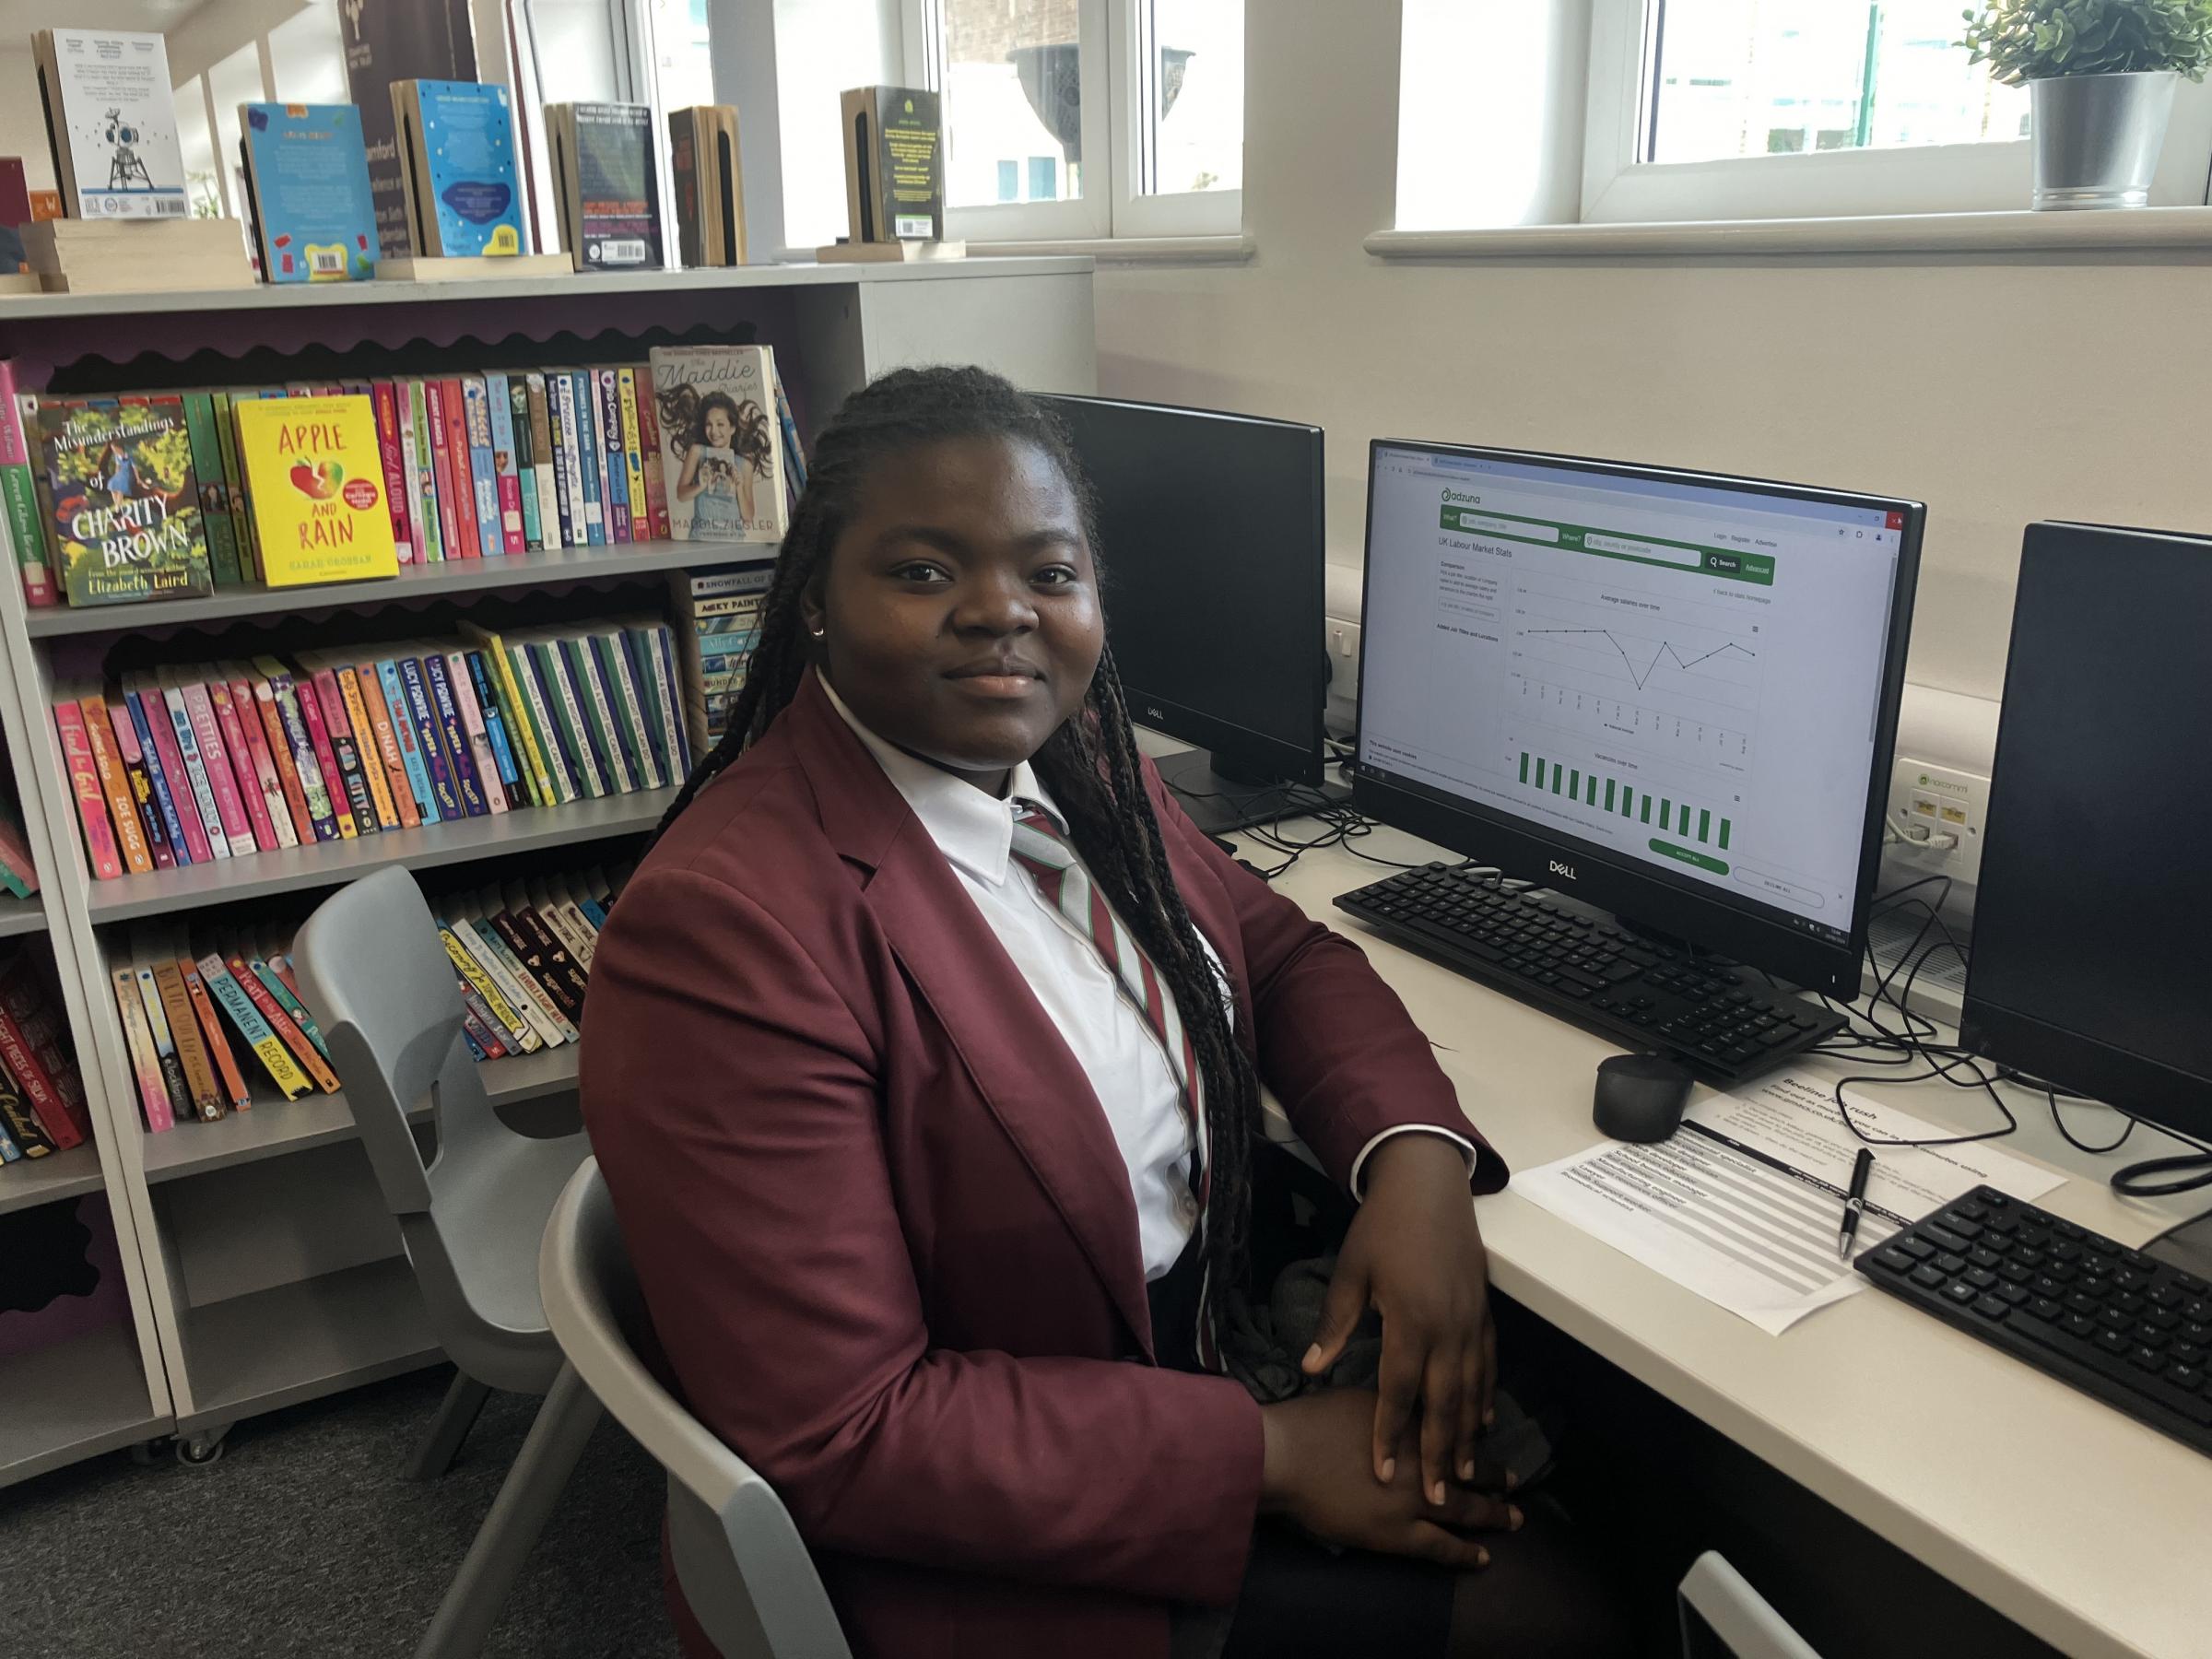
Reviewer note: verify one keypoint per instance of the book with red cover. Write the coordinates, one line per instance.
(450, 503)
(23, 1033)
(326, 757)
(454, 400)
(114, 783)
(243, 770)
(92, 799)
(271, 1011)
(385, 399)
(337, 733)
(267, 780)
(280, 756)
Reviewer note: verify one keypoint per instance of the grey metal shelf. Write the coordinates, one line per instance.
(274, 1128)
(300, 1341)
(50, 1179)
(443, 579)
(332, 864)
(75, 1399)
(610, 284)
(22, 916)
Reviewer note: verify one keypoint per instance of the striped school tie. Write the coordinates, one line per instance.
(1040, 849)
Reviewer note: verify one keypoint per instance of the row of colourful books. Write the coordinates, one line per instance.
(41, 1098)
(211, 1021)
(521, 953)
(183, 766)
(199, 1017)
(173, 494)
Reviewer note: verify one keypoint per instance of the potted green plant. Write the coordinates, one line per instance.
(2100, 76)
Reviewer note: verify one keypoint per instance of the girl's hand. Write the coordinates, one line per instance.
(1314, 1473)
(1414, 1255)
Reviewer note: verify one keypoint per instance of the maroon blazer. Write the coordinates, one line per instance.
(885, 1235)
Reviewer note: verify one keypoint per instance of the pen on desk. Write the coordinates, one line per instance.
(1855, 1205)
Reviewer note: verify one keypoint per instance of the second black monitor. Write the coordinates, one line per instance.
(1211, 535)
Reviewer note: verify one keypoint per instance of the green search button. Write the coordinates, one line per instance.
(1669, 849)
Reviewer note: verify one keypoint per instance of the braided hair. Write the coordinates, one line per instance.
(1091, 763)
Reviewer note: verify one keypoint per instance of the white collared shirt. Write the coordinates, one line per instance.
(1116, 1048)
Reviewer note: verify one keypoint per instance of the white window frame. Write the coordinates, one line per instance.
(1937, 178)
(1117, 79)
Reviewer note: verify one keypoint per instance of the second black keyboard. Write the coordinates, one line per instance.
(1572, 959)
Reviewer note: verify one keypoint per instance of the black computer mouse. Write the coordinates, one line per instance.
(1640, 1097)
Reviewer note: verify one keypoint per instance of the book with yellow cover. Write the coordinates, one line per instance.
(314, 484)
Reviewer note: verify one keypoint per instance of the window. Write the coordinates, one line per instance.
(1086, 118)
(1746, 78)
(1629, 111)
(1776, 109)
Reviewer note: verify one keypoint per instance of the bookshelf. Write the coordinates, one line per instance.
(261, 1268)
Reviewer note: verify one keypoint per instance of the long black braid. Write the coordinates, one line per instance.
(1089, 764)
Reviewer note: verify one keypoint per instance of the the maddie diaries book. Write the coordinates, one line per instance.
(123, 502)
(456, 139)
(716, 407)
(307, 182)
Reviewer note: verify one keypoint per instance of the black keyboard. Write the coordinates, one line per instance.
(1572, 959)
(2134, 1332)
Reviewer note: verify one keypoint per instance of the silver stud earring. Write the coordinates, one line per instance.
(817, 633)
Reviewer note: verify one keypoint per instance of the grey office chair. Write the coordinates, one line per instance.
(374, 975)
(743, 1566)
(1724, 1617)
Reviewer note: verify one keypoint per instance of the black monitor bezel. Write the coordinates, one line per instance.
(1755, 934)
(1238, 750)
(2140, 1084)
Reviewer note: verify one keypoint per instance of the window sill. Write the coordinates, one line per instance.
(2114, 231)
(1132, 249)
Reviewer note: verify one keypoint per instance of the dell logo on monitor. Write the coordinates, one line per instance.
(1563, 869)
(1156, 714)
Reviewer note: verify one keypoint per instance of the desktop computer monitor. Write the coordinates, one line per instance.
(1210, 533)
(1670, 694)
(2089, 968)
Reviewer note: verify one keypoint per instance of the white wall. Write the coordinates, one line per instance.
(1996, 389)
(22, 127)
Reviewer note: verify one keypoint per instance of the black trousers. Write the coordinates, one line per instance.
(1540, 1595)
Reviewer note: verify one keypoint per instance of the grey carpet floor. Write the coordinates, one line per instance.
(303, 1540)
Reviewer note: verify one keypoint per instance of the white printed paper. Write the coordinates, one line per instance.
(1744, 1203)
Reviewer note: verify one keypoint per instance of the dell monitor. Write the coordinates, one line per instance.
(1210, 533)
(1670, 694)
(2089, 969)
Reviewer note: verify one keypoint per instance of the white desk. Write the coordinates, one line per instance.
(2072, 1519)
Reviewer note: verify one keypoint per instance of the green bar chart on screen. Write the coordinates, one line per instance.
(1706, 826)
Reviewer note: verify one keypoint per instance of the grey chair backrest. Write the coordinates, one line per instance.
(1724, 1617)
(377, 978)
(744, 1569)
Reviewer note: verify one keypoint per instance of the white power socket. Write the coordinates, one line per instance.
(1343, 714)
(1942, 813)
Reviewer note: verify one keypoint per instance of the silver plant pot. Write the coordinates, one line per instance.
(2097, 137)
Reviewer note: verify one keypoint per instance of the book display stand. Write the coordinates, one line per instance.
(261, 1266)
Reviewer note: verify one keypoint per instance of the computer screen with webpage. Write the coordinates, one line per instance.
(1684, 674)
